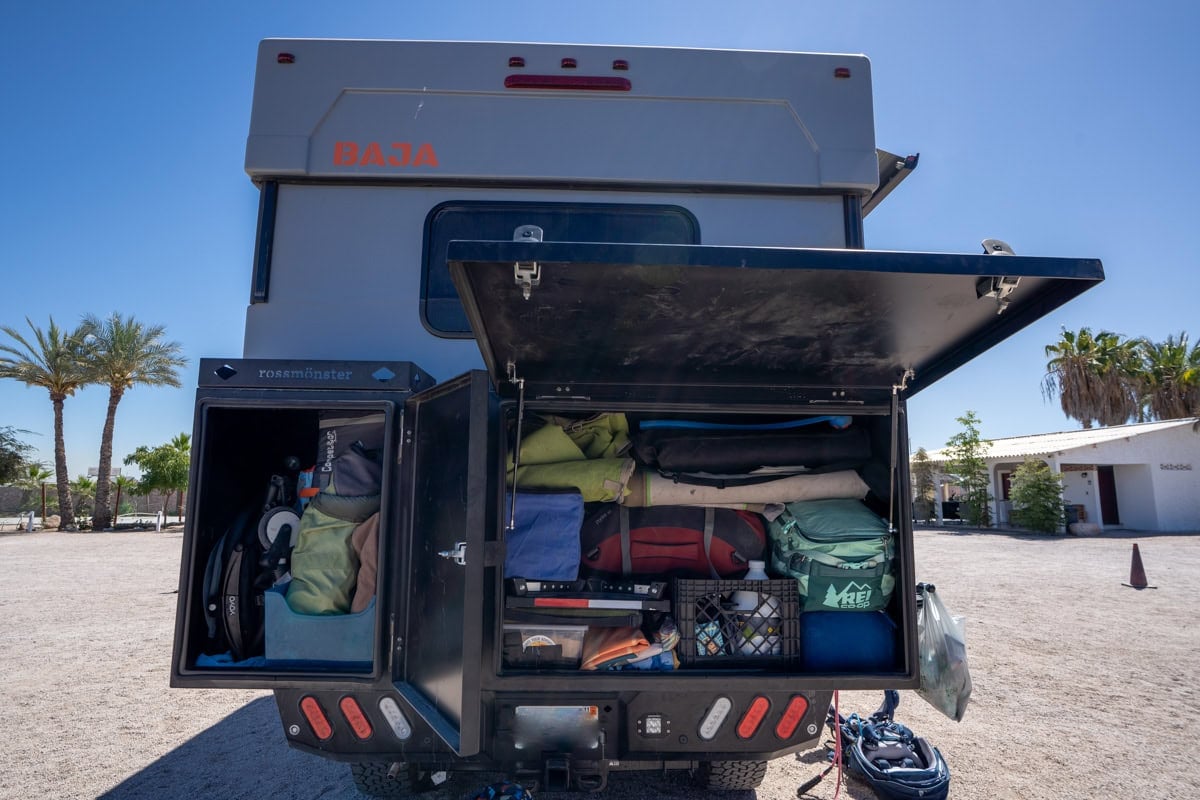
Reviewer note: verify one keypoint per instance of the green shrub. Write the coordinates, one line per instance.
(923, 487)
(1036, 495)
(968, 454)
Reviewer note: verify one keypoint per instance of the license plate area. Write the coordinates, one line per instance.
(558, 729)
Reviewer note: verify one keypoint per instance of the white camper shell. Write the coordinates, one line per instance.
(462, 239)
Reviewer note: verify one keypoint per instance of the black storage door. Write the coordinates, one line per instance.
(706, 317)
(452, 449)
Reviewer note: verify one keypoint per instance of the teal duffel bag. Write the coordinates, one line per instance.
(839, 551)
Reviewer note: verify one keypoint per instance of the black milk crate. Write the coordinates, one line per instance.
(714, 634)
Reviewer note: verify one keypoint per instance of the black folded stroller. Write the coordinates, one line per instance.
(894, 761)
(890, 758)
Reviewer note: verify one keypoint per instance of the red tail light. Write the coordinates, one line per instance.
(316, 718)
(355, 716)
(791, 717)
(753, 717)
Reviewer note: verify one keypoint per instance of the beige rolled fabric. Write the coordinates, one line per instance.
(651, 489)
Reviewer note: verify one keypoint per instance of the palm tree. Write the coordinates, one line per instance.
(52, 360)
(35, 478)
(122, 482)
(1095, 376)
(83, 489)
(182, 443)
(1171, 377)
(121, 353)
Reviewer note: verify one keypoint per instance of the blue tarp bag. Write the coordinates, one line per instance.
(544, 544)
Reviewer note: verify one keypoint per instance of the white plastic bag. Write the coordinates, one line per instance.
(942, 649)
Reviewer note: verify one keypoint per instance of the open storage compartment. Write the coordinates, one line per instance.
(719, 342)
(607, 589)
(291, 514)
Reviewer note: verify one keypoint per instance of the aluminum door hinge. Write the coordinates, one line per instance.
(527, 274)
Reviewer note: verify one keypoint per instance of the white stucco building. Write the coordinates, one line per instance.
(1143, 477)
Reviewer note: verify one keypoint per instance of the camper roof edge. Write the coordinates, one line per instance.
(394, 111)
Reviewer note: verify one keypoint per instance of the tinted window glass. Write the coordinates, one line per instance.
(441, 310)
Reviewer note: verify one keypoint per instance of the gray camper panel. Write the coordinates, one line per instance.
(384, 111)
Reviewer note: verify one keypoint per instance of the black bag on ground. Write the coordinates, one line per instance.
(896, 763)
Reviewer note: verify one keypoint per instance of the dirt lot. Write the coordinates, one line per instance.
(1083, 688)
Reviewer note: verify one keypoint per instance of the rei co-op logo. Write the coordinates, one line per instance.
(396, 154)
(854, 595)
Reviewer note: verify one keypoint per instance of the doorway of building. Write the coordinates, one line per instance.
(1106, 485)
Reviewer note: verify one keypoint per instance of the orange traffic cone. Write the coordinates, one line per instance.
(1137, 573)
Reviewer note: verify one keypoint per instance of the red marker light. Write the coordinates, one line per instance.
(285, 58)
(569, 63)
(516, 61)
(355, 716)
(620, 63)
(792, 714)
(841, 72)
(316, 718)
(753, 717)
(582, 82)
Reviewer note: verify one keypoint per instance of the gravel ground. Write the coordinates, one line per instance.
(1083, 688)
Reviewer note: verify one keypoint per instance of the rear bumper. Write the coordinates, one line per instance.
(587, 732)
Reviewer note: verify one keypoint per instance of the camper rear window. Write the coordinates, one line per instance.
(442, 312)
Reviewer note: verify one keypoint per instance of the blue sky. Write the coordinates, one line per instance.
(1064, 128)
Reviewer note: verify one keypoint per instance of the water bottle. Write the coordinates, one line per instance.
(758, 617)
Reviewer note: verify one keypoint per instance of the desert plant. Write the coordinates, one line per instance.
(34, 479)
(83, 489)
(1170, 376)
(121, 353)
(122, 483)
(1037, 501)
(923, 488)
(12, 456)
(165, 468)
(1095, 376)
(967, 451)
(52, 360)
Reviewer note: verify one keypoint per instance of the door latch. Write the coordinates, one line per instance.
(458, 555)
(998, 287)
(493, 553)
(527, 274)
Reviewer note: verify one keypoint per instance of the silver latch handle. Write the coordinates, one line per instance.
(458, 555)
(527, 274)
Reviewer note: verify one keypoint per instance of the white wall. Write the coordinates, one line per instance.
(1157, 476)
(1137, 500)
(1079, 488)
(1179, 509)
(1174, 492)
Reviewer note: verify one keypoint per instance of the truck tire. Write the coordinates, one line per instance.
(733, 774)
(375, 778)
